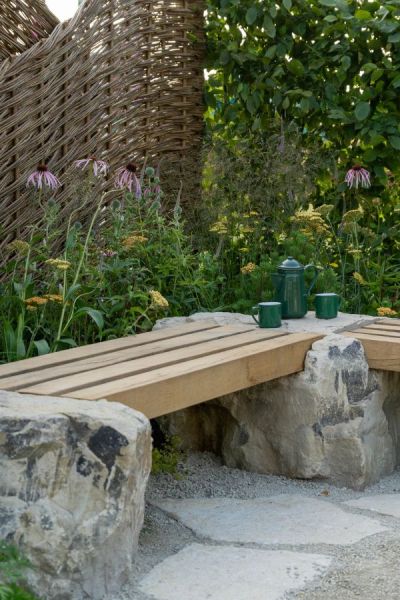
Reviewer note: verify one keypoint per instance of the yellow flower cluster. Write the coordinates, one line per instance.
(54, 298)
(385, 311)
(158, 300)
(325, 209)
(311, 221)
(134, 240)
(359, 278)
(34, 302)
(220, 227)
(249, 268)
(353, 216)
(58, 263)
(19, 246)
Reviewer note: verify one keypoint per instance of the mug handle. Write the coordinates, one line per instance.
(317, 271)
(254, 310)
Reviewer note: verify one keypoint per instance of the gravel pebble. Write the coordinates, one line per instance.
(367, 570)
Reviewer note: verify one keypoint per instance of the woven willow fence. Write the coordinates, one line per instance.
(22, 24)
(122, 80)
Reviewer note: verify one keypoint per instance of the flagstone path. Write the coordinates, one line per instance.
(252, 537)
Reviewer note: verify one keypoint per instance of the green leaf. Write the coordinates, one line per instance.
(396, 82)
(224, 57)
(251, 15)
(368, 67)
(330, 18)
(362, 111)
(42, 347)
(94, 314)
(377, 74)
(296, 67)
(68, 342)
(394, 141)
(286, 103)
(362, 14)
(394, 38)
(346, 62)
(269, 27)
(287, 4)
(272, 11)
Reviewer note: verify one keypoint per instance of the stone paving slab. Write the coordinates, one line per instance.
(201, 572)
(283, 519)
(385, 504)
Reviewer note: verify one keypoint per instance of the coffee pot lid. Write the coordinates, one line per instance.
(290, 264)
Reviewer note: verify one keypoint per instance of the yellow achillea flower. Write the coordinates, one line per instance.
(36, 301)
(220, 227)
(324, 209)
(158, 300)
(249, 268)
(310, 220)
(19, 246)
(352, 216)
(58, 263)
(134, 240)
(359, 278)
(385, 311)
(54, 298)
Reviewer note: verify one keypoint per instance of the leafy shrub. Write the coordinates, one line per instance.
(12, 569)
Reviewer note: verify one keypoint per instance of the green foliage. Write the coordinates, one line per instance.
(332, 66)
(166, 459)
(72, 285)
(12, 569)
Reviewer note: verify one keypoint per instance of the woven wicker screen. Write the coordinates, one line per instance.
(122, 80)
(22, 24)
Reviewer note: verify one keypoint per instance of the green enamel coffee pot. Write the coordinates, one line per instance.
(290, 288)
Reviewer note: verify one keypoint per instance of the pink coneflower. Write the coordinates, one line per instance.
(100, 167)
(43, 177)
(126, 178)
(358, 176)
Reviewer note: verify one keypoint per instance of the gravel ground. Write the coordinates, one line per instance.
(367, 570)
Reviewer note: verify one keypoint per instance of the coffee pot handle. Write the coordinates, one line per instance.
(317, 270)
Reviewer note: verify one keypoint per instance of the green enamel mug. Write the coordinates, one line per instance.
(327, 305)
(269, 314)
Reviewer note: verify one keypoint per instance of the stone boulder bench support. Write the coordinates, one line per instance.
(163, 371)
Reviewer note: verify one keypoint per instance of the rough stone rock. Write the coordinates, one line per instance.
(337, 420)
(310, 323)
(72, 480)
(228, 573)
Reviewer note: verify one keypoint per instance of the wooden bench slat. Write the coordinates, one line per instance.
(382, 352)
(15, 382)
(72, 354)
(184, 384)
(378, 331)
(382, 327)
(66, 384)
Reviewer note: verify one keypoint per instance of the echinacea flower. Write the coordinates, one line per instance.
(43, 177)
(126, 178)
(100, 167)
(358, 176)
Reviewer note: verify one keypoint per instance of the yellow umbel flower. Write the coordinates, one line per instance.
(58, 263)
(353, 216)
(310, 220)
(54, 298)
(324, 209)
(19, 246)
(134, 240)
(359, 278)
(385, 311)
(158, 300)
(36, 301)
(249, 268)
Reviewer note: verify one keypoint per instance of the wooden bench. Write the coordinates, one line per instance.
(381, 341)
(166, 370)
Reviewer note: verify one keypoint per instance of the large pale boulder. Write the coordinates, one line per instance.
(337, 420)
(72, 480)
